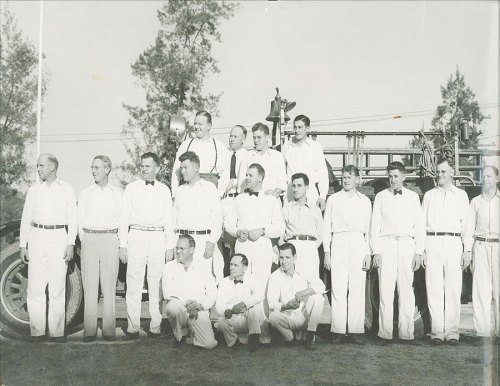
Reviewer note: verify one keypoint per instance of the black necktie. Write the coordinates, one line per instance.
(232, 172)
(256, 194)
(236, 281)
(398, 192)
(150, 183)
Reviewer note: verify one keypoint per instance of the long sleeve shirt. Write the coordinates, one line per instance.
(198, 207)
(282, 288)
(347, 213)
(483, 219)
(274, 165)
(214, 158)
(303, 219)
(230, 294)
(49, 204)
(99, 207)
(397, 215)
(446, 210)
(146, 205)
(253, 212)
(307, 158)
(194, 283)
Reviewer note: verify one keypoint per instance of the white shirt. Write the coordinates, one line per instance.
(274, 165)
(282, 288)
(397, 215)
(210, 161)
(307, 158)
(446, 210)
(230, 294)
(99, 207)
(53, 204)
(241, 155)
(195, 283)
(483, 219)
(146, 205)
(303, 219)
(198, 207)
(253, 212)
(346, 213)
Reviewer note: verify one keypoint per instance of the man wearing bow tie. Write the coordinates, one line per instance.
(239, 304)
(397, 238)
(146, 239)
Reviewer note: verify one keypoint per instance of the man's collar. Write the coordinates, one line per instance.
(297, 203)
(56, 181)
(452, 188)
(296, 144)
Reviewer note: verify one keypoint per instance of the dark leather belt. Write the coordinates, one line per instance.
(443, 234)
(487, 239)
(33, 224)
(303, 237)
(232, 194)
(100, 231)
(188, 232)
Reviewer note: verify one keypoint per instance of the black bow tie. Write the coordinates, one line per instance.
(400, 191)
(236, 281)
(150, 183)
(256, 194)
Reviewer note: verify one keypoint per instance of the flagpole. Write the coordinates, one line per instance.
(39, 105)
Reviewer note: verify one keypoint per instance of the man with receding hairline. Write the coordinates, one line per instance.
(47, 239)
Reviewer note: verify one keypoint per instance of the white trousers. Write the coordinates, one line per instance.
(396, 271)
(145, 249)
(46, 267)
(307, 257)
(485, 286)
(304, 318)
(348, 282)
(443, 279)
(238, 327)
(260, 256)
(199, 329)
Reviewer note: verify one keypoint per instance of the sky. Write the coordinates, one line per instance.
(337, 60)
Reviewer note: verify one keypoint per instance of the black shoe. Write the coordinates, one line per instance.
(253, 342)
(58, 339)
(88, 339)
(310, 340)
(290, 343)
(177, 343)
(356, 339)
(109, 338)
(384, 342)
(338, 338)
(153, 335)
(37, 339)
(436, 342)
(130, 335)
(408, 342)
(452, 342)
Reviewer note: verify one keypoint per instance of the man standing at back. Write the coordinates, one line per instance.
(213, 154)
(47, 240)
(146, 239)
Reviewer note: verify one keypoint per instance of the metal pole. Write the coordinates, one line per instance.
(457, 156)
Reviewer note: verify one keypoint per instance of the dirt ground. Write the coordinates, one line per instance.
(155, 362)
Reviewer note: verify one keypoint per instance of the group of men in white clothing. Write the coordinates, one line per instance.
(268, 213)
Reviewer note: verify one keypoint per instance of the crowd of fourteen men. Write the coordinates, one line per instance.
(267, 213)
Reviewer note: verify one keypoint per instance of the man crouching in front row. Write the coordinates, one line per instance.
(239, 304)
(190, 292)
(295, 299)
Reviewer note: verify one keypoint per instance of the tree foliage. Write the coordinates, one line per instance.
(18, 98)
(172, 71)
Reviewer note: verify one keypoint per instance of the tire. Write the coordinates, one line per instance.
(14, 319)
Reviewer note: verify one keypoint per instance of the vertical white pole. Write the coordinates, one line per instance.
(39, 107)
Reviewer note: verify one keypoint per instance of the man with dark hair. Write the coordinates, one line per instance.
(397, 240)
(99, 209)
(213, 154)
(146, 240)
(303, 226)
(445, 210)
(483, 236)
(271, 160)
(348, 255)
(295, 300)
(304, 155)
(239, 304)
(47, 240)
(197, 212)
(190, 292)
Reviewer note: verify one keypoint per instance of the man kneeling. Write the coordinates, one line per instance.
(239, 302)
(190, 291)
(295, 299)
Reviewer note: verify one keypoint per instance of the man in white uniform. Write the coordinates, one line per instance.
(397, 240)
(304, 155)
(99, 209)
(213, 154)
(47, 247)
(146, 239)
(445, 211)
(239, 304)
(483, 235)
(348, 255)
(198, 212)
(295, 300)
(304, 226)
(190, 292)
